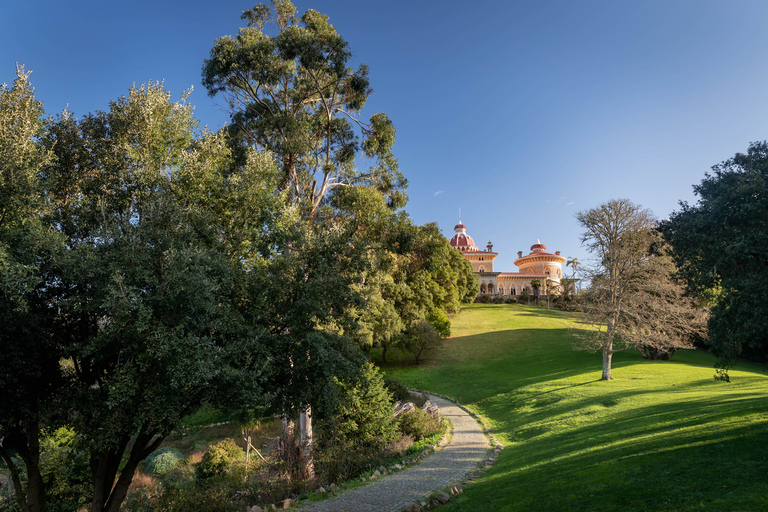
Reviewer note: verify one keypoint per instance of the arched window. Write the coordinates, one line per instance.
(547, 271)
(512, 290)
(490, 287)
(482, 288)
(501, 290)
(481, 269)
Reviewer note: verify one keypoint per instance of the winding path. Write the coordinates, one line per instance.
(446, 467)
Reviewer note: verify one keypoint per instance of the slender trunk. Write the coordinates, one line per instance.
(305, 444)
(146, 443)
(28, 448)
(21, 499)
(286, 444)
(607, 355)
(35, 484)
(368, 353)
(384, 347)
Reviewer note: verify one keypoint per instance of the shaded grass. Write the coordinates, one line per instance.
(661, 436)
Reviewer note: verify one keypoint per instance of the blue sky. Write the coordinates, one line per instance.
(521, 113)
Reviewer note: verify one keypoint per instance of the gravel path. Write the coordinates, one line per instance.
(447, 467)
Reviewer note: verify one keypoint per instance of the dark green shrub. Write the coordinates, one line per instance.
(360, 427)
(483, 299)
(220, 459)
(498, 300)
(400, 392)
(438, 319)
(511, 300)
(421, 340)
(364, 413)
(161, 461)
(418, 424)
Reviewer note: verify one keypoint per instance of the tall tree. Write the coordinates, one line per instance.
(293, 94)
(632, 300)
(721, 246)
(30, 375)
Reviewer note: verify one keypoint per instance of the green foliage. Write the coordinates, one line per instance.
(220, 458)
(294, 95)
(421, 340)
(206, 414)
(419, 424)
(438, 319)
(363, 414)
(162, 461)
(721, 247)
(399, 391)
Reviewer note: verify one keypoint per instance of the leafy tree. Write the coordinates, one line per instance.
(30, 374)
(536, 285)
(293, 94)
(720, 244)
(421, 340)
(437, 319)
(632, 300)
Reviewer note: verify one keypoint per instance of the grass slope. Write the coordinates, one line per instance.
(660, 436)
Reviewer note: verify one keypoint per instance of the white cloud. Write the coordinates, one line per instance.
(438, 193)
(569, 204)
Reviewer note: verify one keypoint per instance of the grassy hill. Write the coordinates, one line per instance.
(660, 436)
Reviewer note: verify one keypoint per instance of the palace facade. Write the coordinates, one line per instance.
(539, 264)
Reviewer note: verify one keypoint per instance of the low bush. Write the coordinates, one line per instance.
(400, 393)
(511, 300)
(418, 424)
(161, 461)
(220, 459)
(498, 300)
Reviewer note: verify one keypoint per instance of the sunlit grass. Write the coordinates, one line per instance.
(661, 436)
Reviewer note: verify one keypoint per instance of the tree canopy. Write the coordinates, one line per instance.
(721, 246)
(632, 300)
(290, 90)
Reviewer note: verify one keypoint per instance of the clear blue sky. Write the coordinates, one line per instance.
(521, 113)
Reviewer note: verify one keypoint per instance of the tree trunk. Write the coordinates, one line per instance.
(307, 465)
(607, 355)
(368, 353)
(384, 347)
(21, 498)
(27, 446)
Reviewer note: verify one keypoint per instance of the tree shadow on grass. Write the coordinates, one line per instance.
(705, 453)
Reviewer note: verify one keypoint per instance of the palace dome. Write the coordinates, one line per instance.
(461, 240)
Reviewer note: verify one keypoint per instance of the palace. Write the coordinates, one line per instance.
(539, 264)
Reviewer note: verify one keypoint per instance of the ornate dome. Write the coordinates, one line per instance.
(539, 247)
(461, 240)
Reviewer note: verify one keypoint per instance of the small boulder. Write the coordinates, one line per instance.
(443, 497)
(286, 503)
(382, 469)
(320, 490)
(376, 474)
(459, 489)
(412, 507)
(332, 487)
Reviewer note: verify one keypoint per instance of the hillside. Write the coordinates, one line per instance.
(661, 436)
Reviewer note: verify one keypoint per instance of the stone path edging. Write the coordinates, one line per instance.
(464, 456)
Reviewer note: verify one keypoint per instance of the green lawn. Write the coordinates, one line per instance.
(660, 436)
